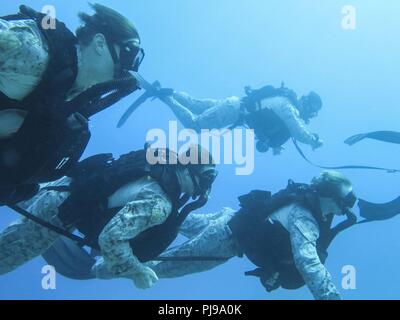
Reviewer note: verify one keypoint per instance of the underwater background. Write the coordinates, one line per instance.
(214, 48)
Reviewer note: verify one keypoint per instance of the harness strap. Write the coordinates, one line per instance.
(79, 240)
(342, 167)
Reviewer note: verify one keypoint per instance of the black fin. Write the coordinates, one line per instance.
(385, 136)
(70, 260)
(379, 211)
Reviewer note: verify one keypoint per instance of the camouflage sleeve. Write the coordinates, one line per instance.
(304, 232)
(206, 113)
(195, 223)
(24, 240)
(23, 57)
(214, 240)
(151, 207)
(290, 116)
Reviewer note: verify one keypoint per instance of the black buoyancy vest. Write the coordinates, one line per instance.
(267, 125)
(95, 179)
(24, 160)
(266, 243)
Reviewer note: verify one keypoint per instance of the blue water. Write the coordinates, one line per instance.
(213, 49)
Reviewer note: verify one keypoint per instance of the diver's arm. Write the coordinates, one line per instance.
(23, 57)
(298, 130)
(304, 233)
(195, 223)
(150, 208)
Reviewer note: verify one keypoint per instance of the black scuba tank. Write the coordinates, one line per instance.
(269, 129)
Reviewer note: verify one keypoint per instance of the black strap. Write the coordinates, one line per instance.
(342, 167)
(79, 240)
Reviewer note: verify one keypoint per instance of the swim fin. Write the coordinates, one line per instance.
(385, 136)
(379, 211)
(70, 260)
(142, 99)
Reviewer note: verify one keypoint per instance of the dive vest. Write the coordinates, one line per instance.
(268, 127)
(48, 145)
(266, 243)
(95, 179)
(45, 147)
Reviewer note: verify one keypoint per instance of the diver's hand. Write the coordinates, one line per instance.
(317, 143)
(160, 92)
(144, 278)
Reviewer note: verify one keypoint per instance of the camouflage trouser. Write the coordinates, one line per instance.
(209, 236)
(24, 239)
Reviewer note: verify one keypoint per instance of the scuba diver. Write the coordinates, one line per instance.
(286, 235)
(129, 211)
(275, 114)
(51, 84)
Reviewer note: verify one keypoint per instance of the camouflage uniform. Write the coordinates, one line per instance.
(200, 114)
(210, 236)
(144, 204)
(23, 57)
(148, 206)
(24, 239)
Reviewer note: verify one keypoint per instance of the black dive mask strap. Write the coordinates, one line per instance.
(196, 185)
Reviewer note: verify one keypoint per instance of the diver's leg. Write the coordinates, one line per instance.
(196, 106)
(214, 241)
(195, 223)
(24, 239)
(219, 114)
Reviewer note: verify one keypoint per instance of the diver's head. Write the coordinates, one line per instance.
(197, 171)
(335, 192)
(309, 106)
(109, 40)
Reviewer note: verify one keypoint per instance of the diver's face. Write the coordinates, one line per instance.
(101, 58)
(329, 206)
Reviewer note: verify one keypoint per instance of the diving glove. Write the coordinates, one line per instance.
(317, 143)
(145, 278)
